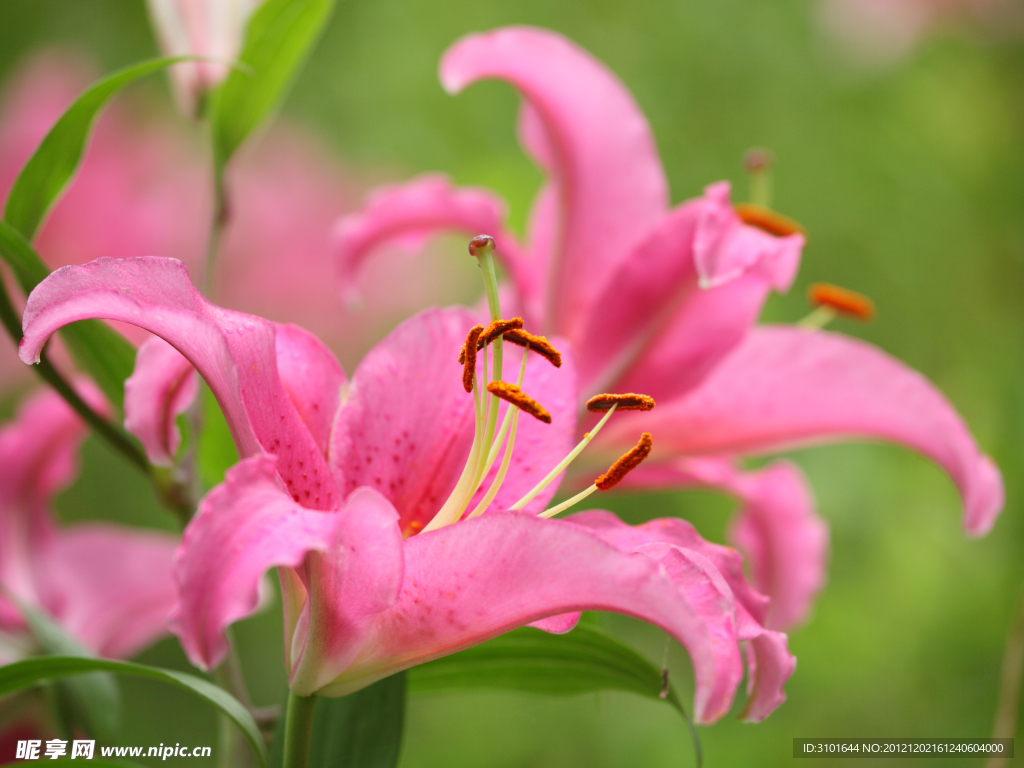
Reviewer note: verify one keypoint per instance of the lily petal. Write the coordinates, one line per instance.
(406, 425)
(235, 353)
(469, 582)
(785, 386)
(312, 377)
(110, 587)
(777, 527)
(244, 526)
(162, 387)
(657, 330)
(600, 153)
(409, 214)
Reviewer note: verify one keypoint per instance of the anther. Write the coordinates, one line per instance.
(498, 328)
(626, 463)
(538, 344)
(468, 357)
(479, 244)
(510, 393)
(626, 402)
(842, 300)
(768, 220)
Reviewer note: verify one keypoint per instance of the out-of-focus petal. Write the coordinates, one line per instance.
(244, 526)
(411, 213)
(162, 387)
(785, 386)
(599, 152)
(656, 331)
(110, 587)
(235, 353)
(406, 425)
(469, 582)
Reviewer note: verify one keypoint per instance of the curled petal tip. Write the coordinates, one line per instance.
(985, 502)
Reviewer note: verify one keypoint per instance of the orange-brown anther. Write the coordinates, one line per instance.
(842, 300)
(468, 357)
(768, 220)
(626, 402)
(514, 395)
(538, 344)
(499, 328)
(626, 463)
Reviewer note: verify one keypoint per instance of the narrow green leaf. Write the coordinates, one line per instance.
(362, 729)
(98, 349)
(56, 159)
(93, 700)
(278, 39)
(582, 661)
(22, 674)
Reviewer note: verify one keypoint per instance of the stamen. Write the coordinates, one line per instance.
(511, 393)
(468, 357)
(768, 220)
(626, 402)
(842, 300)
(538, 344)
(626, 463)
(498, 328)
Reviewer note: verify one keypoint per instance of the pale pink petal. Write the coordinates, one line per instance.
(410, 213)
(312, 377)
(162, 387)
(558, 624)
(235, 353)
(655, 330)
(110, 587)
(539, 446)
(244, 526)
(786, 386)
(778, 527)
(472, 581)
(406, 425)
(600, 153)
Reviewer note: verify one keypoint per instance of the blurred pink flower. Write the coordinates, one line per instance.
(884, 31)
(108, 586)
(334, 473)
(211, 28)
(663, 301)
(143, 189)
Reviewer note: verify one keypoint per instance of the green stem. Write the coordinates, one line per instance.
(221, 215)
(297, 729)
(1010, 681)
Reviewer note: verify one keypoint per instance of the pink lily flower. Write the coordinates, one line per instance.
(210, 28)
(664, 301)
(401, 527)
(109, 587)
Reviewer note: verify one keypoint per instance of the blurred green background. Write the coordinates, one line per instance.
(910, 180)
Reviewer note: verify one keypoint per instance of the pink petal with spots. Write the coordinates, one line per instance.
(312, 377)
(235, 353)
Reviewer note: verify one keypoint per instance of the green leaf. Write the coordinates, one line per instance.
(93, 700)
(362, 729)
(582, 661)
(22, 674)
(278, 39)
(99, 350)
(56, 159)
(216, 446)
